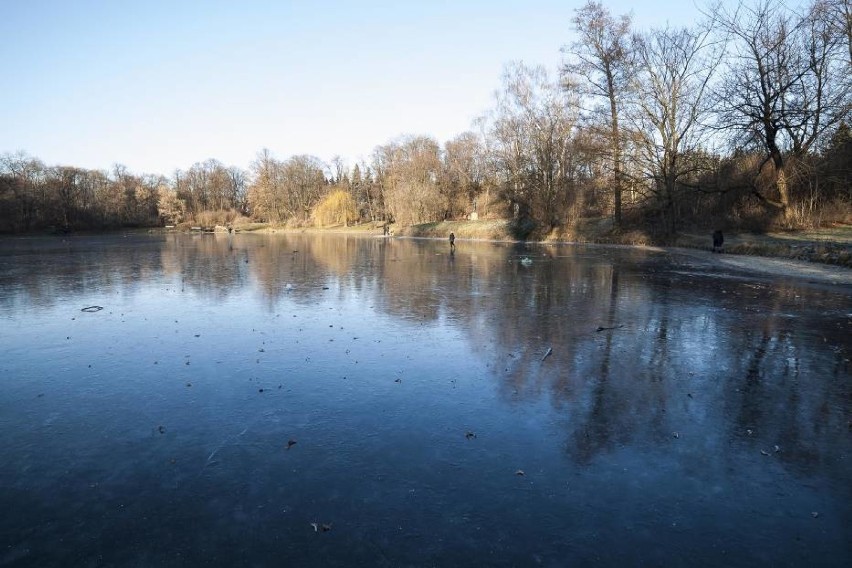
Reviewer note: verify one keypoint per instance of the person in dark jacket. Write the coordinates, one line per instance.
(452, 242)
(718, 240)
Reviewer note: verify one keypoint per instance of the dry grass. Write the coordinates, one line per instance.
(221, 217)
(828, 246)
(474, 230)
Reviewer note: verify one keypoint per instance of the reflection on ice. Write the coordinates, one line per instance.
(236, 392)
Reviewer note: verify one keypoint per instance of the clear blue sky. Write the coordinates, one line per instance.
(159, 85)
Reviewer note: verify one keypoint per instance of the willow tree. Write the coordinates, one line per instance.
(337, 208)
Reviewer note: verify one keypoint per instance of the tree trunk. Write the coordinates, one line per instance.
(781, 183)
(616, 155)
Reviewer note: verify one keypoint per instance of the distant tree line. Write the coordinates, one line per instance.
(741, 120)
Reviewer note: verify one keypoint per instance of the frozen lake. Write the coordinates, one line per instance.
(297, 400)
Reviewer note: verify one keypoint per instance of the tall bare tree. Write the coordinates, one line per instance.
(782, 89)
(304, 183)
(237, 188)
(463, 173)
(24, 200)
(840, 17)
(288, 190)
(603, 58)
(821, 97)
(338, 174)
(531, 133)
(676, 66)
(264, 193)
(409, 170)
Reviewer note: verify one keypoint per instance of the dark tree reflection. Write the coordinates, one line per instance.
(642, 346)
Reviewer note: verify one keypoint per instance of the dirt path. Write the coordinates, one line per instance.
(781, 267)
(827, 246)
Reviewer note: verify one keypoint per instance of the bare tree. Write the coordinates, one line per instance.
(288, 190)
(463, 173)
(676, 66)
(170, 208)
(237, 188)
(210, 186)
(263, 195)
(25, 182)
(602, 56)
(781, 89)
(339, 171)
(304, 184)
(839, 14)
(409, 170)
(531, 130)
(821, 97)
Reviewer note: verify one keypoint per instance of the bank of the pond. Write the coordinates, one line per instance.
(831, 246)
(826, 246)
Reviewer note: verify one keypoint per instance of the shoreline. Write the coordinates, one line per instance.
(825, 254)
(830, 247)
(743, 254)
